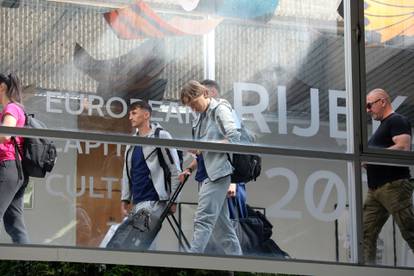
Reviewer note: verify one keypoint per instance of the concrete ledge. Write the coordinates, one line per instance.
(185, 260)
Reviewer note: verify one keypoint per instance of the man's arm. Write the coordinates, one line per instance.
(226, 123)
(124, 208)
(401, 142)
(187, 171)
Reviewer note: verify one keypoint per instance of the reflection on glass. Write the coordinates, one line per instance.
(80, 201)
(389, 194)
(389, 101)
(279, 63)
(29, 196)
(389, 39)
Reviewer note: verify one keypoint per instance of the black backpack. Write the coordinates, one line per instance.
(247, 167)
(255, 235)
(38, 155)
(163, 164)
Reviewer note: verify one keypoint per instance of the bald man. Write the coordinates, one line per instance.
(389, 188)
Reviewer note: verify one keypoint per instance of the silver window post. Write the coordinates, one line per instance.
(354, 42)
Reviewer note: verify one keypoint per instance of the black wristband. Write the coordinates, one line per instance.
(189, 169)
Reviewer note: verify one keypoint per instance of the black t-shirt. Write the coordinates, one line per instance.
(395, 124)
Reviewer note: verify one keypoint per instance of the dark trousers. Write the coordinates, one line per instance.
(11, 201)
(393, 198)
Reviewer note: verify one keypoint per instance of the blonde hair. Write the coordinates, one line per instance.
(192, 90)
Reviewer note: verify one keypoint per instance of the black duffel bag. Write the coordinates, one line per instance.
(254, 233)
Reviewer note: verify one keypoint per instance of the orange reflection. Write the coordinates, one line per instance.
(390, 18)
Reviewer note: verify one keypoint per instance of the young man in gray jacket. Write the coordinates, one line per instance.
(144, 185)
(215, 122)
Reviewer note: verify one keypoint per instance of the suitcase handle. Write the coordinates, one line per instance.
(172, 200)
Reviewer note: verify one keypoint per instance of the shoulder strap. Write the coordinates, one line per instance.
(213, 112)
(16, 156)
(157, 132)
(160, 156)
(163, 164)
(17, 151)
(218, 120)
(127, 168)
(221, 126)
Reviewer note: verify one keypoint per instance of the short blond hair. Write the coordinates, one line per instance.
(192, 90)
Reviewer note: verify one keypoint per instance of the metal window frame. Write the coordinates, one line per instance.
(398, 156)
(187, 260)
(362, 152)
(353, 46)
(357, 153)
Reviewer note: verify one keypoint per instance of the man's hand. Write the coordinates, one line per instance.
(364, 164)
(194, 151)
(231, 192)
(124, 209)
(182, 175)
(401, 142)
(188, 170)
(173, 208)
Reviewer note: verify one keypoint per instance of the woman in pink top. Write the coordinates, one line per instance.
(12, 183)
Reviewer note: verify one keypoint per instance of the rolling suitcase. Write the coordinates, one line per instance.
(139, 229)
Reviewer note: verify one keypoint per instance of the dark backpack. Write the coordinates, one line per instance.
(255, 235)
(39, 154)
(163, 164)
(247, 167)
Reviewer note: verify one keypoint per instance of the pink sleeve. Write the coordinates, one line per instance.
(15, 111)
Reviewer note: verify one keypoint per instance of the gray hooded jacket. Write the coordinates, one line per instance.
(221, 127)
(157, 173)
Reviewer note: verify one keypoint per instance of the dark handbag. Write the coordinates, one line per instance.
(141, 220)
(254, 233)
(134, 232)
(249, 230)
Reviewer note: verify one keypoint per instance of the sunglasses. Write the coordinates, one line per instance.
(369, 105)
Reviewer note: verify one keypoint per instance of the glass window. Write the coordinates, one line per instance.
(388, 40)
(285, 75)
(279, 63)
(80, 199)
(387, 214)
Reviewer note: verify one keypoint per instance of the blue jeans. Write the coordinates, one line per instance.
(237, 204)
(213, 214)
(11, 201)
